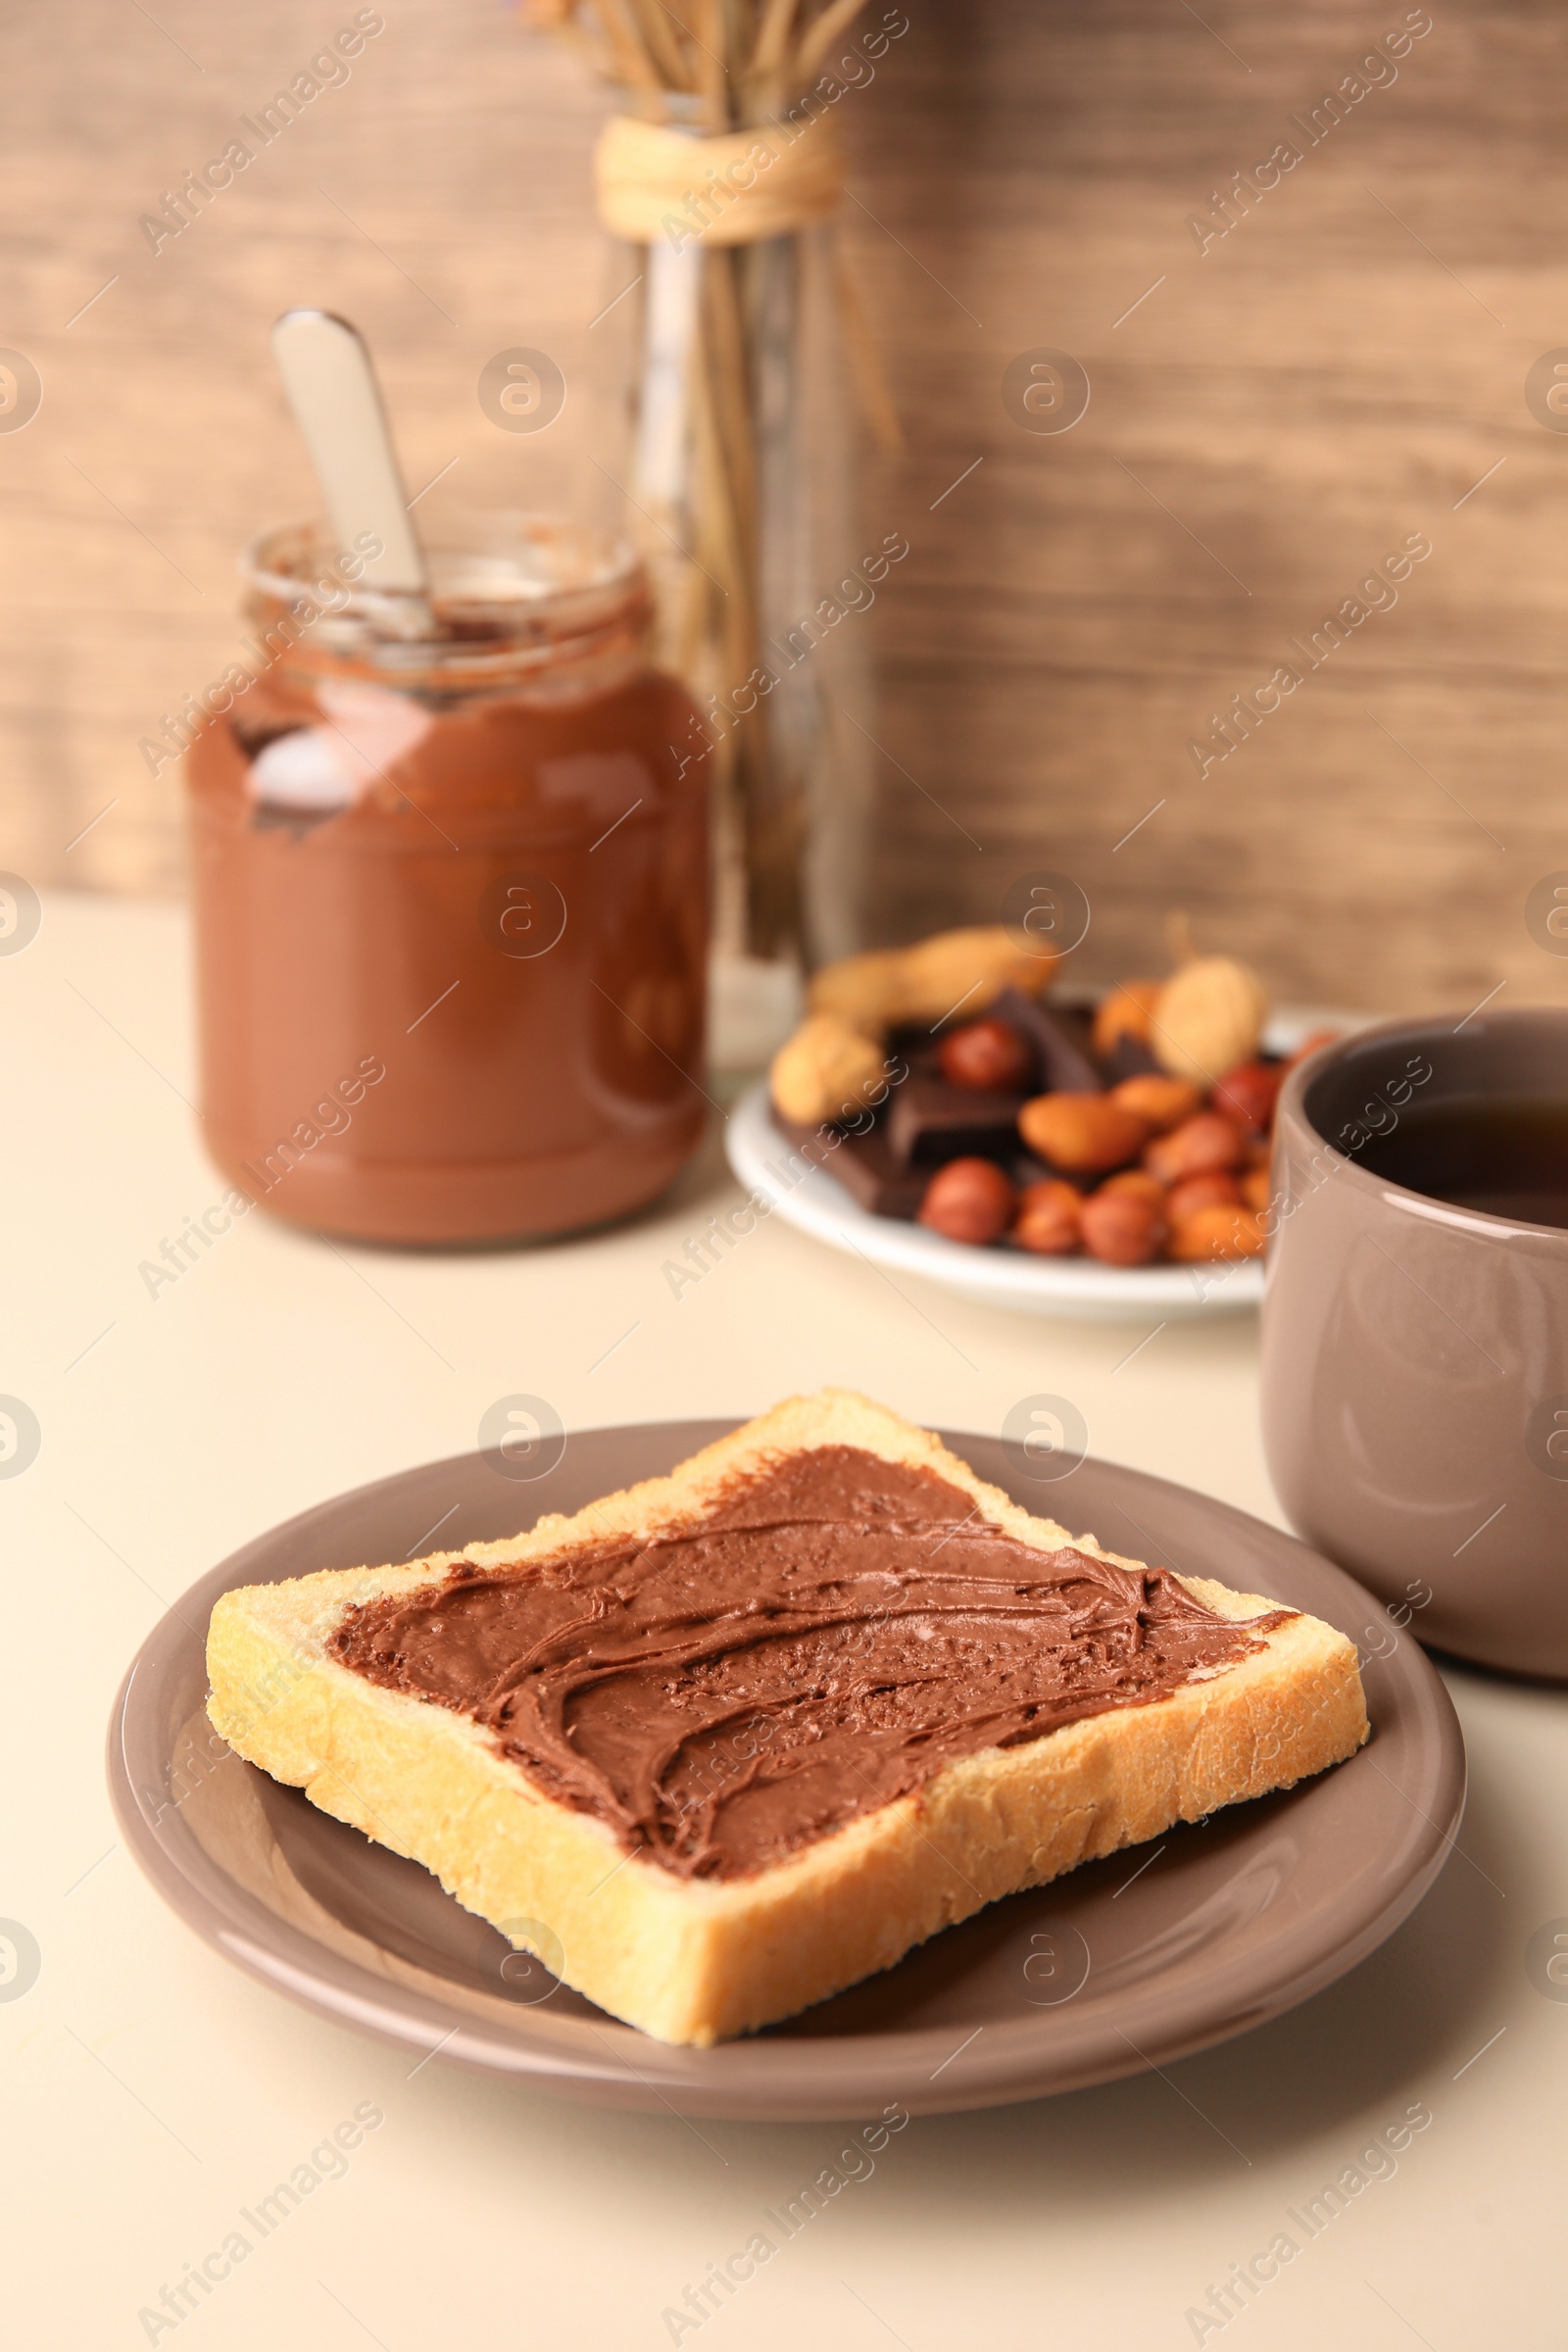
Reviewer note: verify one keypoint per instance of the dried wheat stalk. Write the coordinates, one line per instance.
(724, 66)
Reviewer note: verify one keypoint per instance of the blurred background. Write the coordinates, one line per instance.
(1287, 381)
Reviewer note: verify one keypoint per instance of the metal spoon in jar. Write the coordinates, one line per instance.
(337, 405)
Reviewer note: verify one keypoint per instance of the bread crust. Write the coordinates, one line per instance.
(697, 1961)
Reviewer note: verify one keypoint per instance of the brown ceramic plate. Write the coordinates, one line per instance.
(1126, 1963)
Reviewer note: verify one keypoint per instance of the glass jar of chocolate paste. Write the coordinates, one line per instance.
(451, 894)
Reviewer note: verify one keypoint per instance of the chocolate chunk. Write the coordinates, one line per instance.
(863, 1163)
(929, 1121)
(1130, 1058)
(1060, 1041)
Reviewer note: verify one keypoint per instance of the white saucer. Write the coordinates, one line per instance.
(1080, 1287)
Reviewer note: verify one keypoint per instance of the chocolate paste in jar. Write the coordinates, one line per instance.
(452, 899)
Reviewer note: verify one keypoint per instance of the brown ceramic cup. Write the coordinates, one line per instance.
(1415, 1354)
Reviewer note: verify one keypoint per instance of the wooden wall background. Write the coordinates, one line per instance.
(1271, 420)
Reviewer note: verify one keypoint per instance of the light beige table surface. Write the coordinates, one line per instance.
(151, 2091)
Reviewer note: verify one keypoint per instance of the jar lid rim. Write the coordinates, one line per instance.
(506, 583)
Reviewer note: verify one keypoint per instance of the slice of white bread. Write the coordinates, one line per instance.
(698, 1960)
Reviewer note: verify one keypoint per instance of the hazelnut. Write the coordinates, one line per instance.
(1213, 1188)
(1248, 1093)
(1199, 1145)
(1139, 1182)
(1161, 1103)
(1125, 1013)
(1207, 1018)
(968, 1201)
(1217, 1232)
(1084, 1134)
(1257, 1187)
(825, 1071)
(1047, 1223)
(986, 1054)
(1123, 1229)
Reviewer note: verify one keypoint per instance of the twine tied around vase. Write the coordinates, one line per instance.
(731, 188)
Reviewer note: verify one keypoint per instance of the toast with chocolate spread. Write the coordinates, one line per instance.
(726, 1742)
